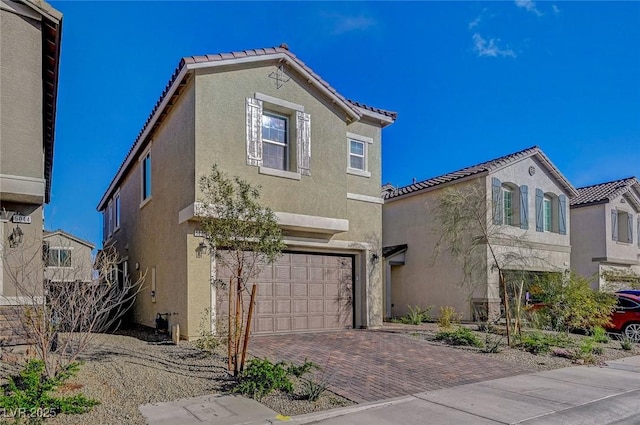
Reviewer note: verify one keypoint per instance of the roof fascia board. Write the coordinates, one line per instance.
(590, 204)
(69, 236)
(375, 115)
(143, 137)
(438, 186)
(631, 199)
(20, 9)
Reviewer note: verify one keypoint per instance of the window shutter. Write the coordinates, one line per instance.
(254, 132)
(562, 223)
(630, 228)
(524, 207)
(539, 210)
(497, 200)
(614, 225)
(638, 231)
(303, 136)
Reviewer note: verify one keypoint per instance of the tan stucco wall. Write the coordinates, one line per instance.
(27, 257)
(20, 96)
(81, 261)
(588, 240)
(150, 235)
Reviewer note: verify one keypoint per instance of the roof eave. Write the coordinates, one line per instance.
(384, 120)
(438, 186)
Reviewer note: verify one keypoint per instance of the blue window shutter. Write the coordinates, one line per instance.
(539, 211)
(524, 207)
(562, 222)
(614, 225)
(496, 191)
(630, 228)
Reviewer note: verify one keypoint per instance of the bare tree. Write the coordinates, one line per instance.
(467, 231)
(60, 309)
(244, 236)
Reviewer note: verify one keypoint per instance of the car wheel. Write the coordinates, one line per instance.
(632, 331)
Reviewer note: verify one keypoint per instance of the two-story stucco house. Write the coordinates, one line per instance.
(265, 116)
(527, 198)
(605, 236)
(66, 257)
(29, 58)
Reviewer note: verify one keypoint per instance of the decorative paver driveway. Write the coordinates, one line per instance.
(366, 365)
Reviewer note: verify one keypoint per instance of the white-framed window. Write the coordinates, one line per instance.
(547, 213)
(622, 226)
(146, 176)
(116, 212)
(358, 154)
(275, 141)
(58, 257)
(507, 205)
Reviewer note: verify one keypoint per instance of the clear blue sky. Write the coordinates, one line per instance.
(470, 81)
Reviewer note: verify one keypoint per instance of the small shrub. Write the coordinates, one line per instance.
(448, 317)
(600, 335)
(261, 377)
(31, 390)
(459, 336)
(312, 389)
(209, 341)
(492, 343)
(535, 343)
(626, 343)
(303, 369)
(598, 350)
(587, 346)
(416, 315)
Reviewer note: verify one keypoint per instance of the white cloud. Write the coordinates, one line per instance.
(343, 24)
(475, 22)
(529, 6)
(490, 47)
(555, 8)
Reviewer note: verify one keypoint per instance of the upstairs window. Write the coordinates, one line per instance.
(59, 257)
(356, 155)
(507, 205)
(116, 212)
(622, 226)
(547, 215)
(146, 176)
(275, 137)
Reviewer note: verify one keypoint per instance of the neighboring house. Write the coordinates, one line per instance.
(266, 117)
(30, 48)
(605, 236)
(67, 258)
(527, 200)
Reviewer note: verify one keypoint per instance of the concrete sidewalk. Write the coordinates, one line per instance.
(578, 395)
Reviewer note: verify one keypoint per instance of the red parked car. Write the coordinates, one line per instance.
(626, 317)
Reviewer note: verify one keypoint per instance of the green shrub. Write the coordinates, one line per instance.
(536, 343)
(492, 343)
(571, 304)
(626, 343)
(261, 377)
(600, 335)
(31, 389)
(303, 369)
(448, 317)
(416, 315)
(312, 389)
(459, 336)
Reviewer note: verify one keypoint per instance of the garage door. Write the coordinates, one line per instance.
(302, 292)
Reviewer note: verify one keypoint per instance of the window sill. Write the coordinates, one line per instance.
(279, 173)
(360, 173)
(145, 202)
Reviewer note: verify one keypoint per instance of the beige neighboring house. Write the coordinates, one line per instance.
(265, 116)
(527, 198)
(67, 258)
(29, 59)
(605, 236)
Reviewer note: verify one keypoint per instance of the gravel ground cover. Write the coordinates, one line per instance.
(137, 367)
(427, 332)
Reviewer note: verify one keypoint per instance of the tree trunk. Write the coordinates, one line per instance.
(506, 306)
(248, 328)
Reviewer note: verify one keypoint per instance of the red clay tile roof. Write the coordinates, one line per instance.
(483, 167)
(603, 192)
(283, 49)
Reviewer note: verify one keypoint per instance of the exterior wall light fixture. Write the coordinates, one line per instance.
(15, 238)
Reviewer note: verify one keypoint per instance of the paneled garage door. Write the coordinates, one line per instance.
(303, 292)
